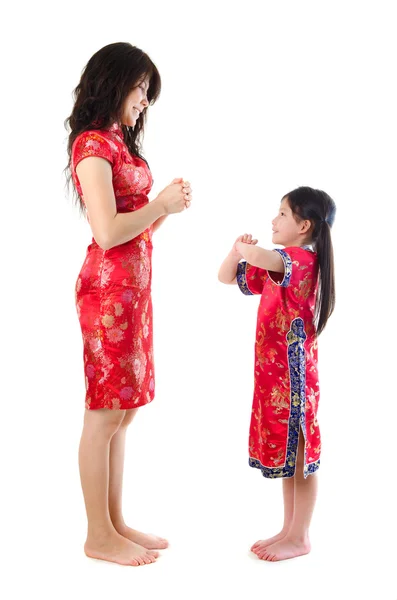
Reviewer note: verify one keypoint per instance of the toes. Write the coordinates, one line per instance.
(272, 558)
(259, 550)
(153, 553)
(134, 562)
(150, 558)
(160, 542)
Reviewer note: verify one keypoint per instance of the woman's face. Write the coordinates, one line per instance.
(134, 103)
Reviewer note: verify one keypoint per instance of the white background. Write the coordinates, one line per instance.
(258, 98)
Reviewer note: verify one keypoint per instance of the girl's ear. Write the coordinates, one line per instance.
(305, 226)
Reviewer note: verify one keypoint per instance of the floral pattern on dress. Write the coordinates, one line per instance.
(286, 387)
(113, 288)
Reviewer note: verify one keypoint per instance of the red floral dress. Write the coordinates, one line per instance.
(286, 391)
(113, 289)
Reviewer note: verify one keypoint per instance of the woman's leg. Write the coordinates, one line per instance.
(296, 542)
(288, 497)
(103, 541)
(116, 465)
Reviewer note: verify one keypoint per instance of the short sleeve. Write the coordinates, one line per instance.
(250, 279)
(91, 143)
(298, 263)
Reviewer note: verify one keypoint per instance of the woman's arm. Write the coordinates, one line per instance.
(259, 257)
(187, 191)
(109, 227)
(159, 222)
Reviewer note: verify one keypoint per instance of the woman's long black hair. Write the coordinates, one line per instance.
(318, 208)
(108, 78)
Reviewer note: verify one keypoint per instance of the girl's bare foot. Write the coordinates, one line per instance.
(116, 548)
(288, 547)
(146, 540)
(260, 545)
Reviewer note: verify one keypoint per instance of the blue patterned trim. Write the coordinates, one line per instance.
(242, 278)
(311, 468)
(297, 369)
(287, 267)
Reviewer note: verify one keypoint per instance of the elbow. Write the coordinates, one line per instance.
(104, 242)
(105, 246)
(226, 281)
(104, 237)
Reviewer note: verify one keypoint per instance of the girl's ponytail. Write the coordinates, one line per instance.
(319, 208)
(325, 302)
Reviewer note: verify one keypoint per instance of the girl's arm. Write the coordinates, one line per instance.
(227, 272)
(109, 227)
(259, 257)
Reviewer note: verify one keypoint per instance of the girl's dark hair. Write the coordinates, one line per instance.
(318, 208)
(108, 78)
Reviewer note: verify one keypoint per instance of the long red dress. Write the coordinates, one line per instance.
(113, 289)
(286, 390)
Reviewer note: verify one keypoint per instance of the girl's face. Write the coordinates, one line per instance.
(135, 103)
(286, 230)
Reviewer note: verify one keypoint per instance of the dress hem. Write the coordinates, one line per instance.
(283, 472)
(124, 407)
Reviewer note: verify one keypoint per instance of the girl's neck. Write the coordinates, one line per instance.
(298, 243)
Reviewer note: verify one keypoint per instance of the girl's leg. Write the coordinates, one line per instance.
(103, 541)
(116, 465)
(296, 542)
(288, 496)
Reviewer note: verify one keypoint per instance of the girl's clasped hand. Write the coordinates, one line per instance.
(246, 238)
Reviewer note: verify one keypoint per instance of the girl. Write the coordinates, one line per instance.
(113, 298)
(297, 298)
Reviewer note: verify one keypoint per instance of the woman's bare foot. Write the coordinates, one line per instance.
(151, 542)
(260, 545)
(116, 548)
(288, 547)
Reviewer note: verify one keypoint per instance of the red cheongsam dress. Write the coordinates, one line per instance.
(113, 289)
(286, 389)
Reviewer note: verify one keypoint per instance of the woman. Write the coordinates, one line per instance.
(113, 298)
